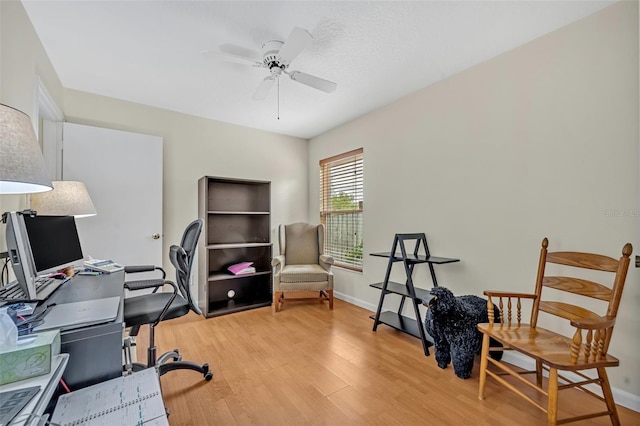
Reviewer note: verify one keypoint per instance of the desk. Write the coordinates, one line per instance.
(48, 384)
(95, 352)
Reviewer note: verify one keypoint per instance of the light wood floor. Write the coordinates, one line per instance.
(307, 365)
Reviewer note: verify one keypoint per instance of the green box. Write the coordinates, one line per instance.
(30, 357)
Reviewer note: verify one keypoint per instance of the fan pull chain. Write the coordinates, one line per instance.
(278, 98)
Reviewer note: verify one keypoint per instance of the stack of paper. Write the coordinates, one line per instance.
(242, 268)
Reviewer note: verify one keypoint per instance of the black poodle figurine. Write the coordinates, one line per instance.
(451, 321)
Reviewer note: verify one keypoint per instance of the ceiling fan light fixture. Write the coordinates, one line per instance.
(270, 57)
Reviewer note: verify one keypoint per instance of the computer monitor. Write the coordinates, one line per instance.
(53, 241)
(20, 253)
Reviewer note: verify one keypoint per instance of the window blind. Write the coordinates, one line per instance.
(342, 206)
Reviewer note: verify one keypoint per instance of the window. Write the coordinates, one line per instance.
(341, 207)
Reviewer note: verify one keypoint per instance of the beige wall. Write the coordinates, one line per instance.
(23, 61)
(194, 147)
(539, 142)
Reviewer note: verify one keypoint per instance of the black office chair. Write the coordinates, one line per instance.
(152, 308)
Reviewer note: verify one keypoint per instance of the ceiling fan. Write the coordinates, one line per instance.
(276, 57)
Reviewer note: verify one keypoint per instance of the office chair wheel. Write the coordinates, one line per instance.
(208, 375)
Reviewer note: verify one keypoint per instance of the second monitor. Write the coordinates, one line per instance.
(53, 241)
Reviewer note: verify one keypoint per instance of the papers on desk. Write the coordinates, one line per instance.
(21, 308)
(130, 400)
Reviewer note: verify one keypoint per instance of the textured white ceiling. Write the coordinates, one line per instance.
(150, 51)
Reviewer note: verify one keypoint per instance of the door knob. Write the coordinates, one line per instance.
(156, 236)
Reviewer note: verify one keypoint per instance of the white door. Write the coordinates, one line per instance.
(123, 174)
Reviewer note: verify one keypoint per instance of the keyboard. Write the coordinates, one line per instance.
(42, 282)
(12, 402)
(12, 291)
(44, 287)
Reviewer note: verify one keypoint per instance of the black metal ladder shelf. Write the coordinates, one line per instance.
(407, 290)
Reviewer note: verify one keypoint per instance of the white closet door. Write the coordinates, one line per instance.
(123, 174)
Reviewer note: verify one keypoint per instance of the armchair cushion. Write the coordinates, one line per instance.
(303, 273)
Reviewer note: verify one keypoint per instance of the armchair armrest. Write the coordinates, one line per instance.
(326, 262)
(327, 259)
(278, 263)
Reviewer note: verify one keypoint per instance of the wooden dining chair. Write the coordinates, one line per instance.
(570, 298)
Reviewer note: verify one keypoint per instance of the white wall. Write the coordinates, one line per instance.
(23, 60)
(539, 142)
(194, 147)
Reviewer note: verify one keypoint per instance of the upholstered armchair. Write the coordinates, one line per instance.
(301, 265)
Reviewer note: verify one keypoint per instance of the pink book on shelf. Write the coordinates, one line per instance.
(238, 267)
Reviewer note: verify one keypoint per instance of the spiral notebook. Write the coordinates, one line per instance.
(130, 400)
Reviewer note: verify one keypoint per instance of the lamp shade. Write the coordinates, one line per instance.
(22, 168)
(68, 198)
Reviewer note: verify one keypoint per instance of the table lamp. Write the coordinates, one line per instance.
(68, 198)
(22, 168)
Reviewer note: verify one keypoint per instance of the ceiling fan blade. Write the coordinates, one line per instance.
(263, 89)
(231, 57)
(236, 50)
(295, 43)
(313, 81)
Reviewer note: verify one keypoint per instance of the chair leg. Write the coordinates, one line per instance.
(608, 396)
(128, 359)
(552, 403)
(539, 374)
(330, 294)
(276, 300)
(173, 355)
(484, 354)
(186, 365)
(152, 350)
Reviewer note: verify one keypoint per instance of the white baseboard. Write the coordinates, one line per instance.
(354, 301)
(622, 398)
